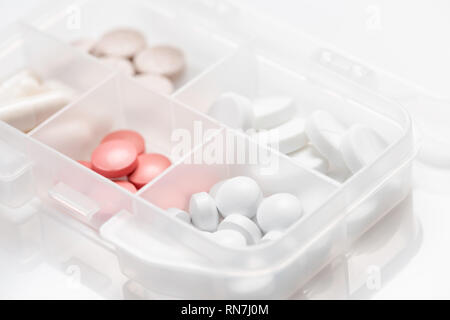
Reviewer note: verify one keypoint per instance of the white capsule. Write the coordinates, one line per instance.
(279, 212)
(272, 235)
(325, 134)
(360, 146)
(27, 113)
(272, 111)
(229, 238)
(243, 225)
(204, 212)
(238, 195)
(310, 158)
(22, 84)
(179, 214)
(233, 110)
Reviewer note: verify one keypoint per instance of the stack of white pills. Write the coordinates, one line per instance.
(235, 213)
(26, 100)
(319, 141)
(126, 49)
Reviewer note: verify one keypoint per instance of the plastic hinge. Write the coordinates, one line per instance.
(346, 67)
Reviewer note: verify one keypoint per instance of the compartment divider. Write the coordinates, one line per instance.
(179, 162)
(75, 102)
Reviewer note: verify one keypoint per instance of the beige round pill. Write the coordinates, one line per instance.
(156, 83)
(84, 44)
(122, 43)
(123, 65)
(163, 60)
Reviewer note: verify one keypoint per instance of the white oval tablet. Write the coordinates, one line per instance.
(243, 225)
(229, 238)
(238, 195)
(279, 212)
(166, 61)
(272, 111)
(272, 235)
(156, 83)
(287, 137)
(204, 212)
(119, 64)
(232, 110)
(121, 43)
(310, 158)
(360, 146)
(179, 214)
(325, 134)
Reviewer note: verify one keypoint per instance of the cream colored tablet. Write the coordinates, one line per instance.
(166, 61)
(121, 43)
(156, 83)
(119, 64)
(84, 44)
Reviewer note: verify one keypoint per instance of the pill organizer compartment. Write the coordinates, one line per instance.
(24, 48)
(72, 20)
(196, 275)
(255, 76)
(178, 259)
(116, 104)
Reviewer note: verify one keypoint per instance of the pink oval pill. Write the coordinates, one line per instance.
(114, 159)
(127, 185)
(87, 164)
(149, 167)
(129, 135)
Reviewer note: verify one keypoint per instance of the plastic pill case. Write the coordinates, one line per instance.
(60, 210)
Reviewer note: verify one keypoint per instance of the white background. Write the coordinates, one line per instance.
(408, 38)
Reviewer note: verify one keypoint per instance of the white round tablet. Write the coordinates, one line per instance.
(214, 188)
(156, 83)
(243, 225)
(325, 134)
(272, 111)
(272, 235)
(229, 238)
(204, 212)
(238, 195)
(122, 43)
(232, 110)
(179, 214)
(288, 137)
(166, 61)
(279, 212)
(119, 64)
(310, 158)
(360, 146)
